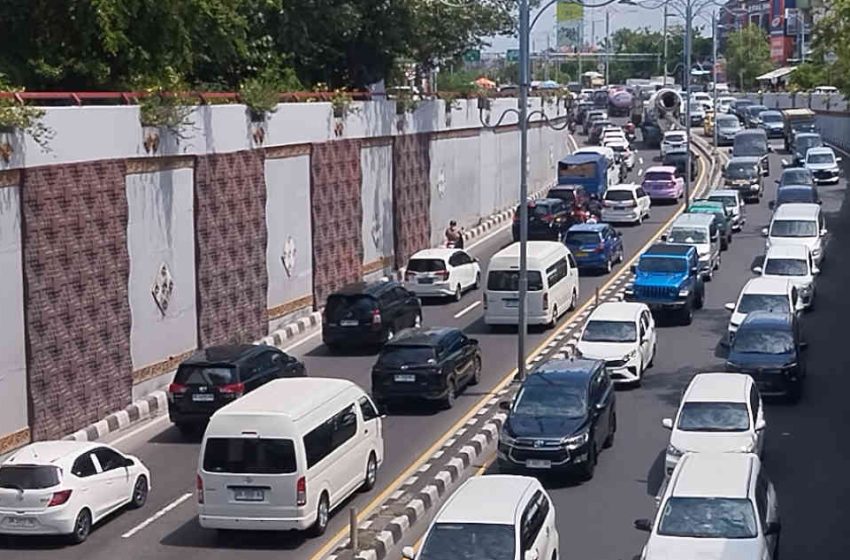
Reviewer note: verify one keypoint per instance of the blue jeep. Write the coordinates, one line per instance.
(667, 279)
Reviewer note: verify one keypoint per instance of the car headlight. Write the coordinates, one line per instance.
(748, 447)
(674, 451)
(573, 442)
(630, 356)
(506, 439)
(816, 251)
(684, 292)
(629, 290)
(806, 289)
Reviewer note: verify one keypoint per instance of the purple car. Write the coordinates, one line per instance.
(662, 183)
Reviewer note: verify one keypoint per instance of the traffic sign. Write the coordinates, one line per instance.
(513, 55)
(830, 57)
(472, 55)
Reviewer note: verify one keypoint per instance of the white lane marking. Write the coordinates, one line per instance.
(466, 309)
(289, 348)
(157, 515)
(489, 236)
(140, 429)
(640, 160)
(640, 171)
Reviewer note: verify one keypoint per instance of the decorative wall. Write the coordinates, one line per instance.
(337, 216)
(76, 267)
(230, 232)
(377, 198)
(411, 195)
(455, 183)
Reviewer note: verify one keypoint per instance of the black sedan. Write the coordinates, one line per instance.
(805, 194)
(795, 176)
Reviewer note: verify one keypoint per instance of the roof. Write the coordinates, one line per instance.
(771, 112)
(766, 320)
(225, 354)
(820, 150)
(668, 250)
(776, 74)
(674, 132)
(795, 170)
(617, 311)
(465, 505)
(365, 288)
(567, 372)
(426, 336)
(766, 285)
(705, 203)
(801, 135)
(713, 475)
(696, 219)
(718, 387)
(752, 160)
(47, 452)
(661, 169)
(438, 253)
(723, 192)
(566, 188)
(293, 397)
(594, 228)
(798, 112)
(752, 132)
(797, 210)
(795, 189)
(536, 249)
(573, 159)
(623, 187)
(788, 251)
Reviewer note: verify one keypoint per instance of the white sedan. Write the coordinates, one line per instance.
(442, 272)
(673, 141)
(66, 487)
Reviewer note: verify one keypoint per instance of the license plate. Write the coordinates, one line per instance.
(581, 253)
(538, 464)
(249, 494)
(511, 302)
(426, 280)
(20, 522)
(203, 397)
(349, 323)
(404, 378)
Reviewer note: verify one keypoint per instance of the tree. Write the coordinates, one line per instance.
(831, 35)
(747, 55)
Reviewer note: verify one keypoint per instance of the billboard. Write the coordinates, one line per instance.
(777, 17)
(569, 20)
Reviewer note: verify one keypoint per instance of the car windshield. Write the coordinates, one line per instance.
(546, 400)
(508, 281)
(539, 210)
(714, 417)
(794, 228)
(820, 158)
(749, 145)
(763, 341)
(785, 195)
(469, 541)
(786, 267)
(728, 122)
(205, 375)
(662, 264)
(741, 171)
(717, 518)
(771, 117)
(582, 238)
(619, 195)
(396, 356)
(687, 235)
(249, 456)
(28, 477)
(610, 331)
(803, 144)
(728, 200)
(674, 138)
(658, 176)
(567, 195)
(696, 108)
(796, 177)
(756, 110)
(426, 265)
(776, 303)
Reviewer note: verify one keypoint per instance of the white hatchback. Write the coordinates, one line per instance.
(494, 516)
(442, 272)
(776, 295)
(674, 141)
(794, 263)
(627, 203)
(719, 412)
(623, 334)
(66, 487)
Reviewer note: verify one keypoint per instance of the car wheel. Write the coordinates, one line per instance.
(553, 320)
(612, 429)
(323, 513)
(140, 493)
(476, 372)
(589, 467)
(451, 395)
(458, 293)
(573, 301)
(687, 315)
(390, 333)
(608, 266)
(652, 357)
(620, 256)
(417, 321)
(371, 473)
(477, 281)
(82, 527)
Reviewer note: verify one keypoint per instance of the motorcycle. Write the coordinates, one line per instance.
(629, 129)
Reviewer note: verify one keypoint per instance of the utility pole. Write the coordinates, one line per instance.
(607, 46)
(714, 29)
(546, 60)
(665, 44)
(580, 46)
(687, 100)
(524, 27)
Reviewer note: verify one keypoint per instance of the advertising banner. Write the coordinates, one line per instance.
(569, 20)
(777, 17)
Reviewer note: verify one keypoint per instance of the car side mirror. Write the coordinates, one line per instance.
(128, 462)
(663, 237)
(758, 269)
(730, 150)
(530, 555)
(823, 232)
(505, 405)
(643, 525)
(760, 424)
(771, 204)
(770, 149)
(729, 307)
(764, 232)
(784, 164)
(815, 271)
(838, 159)
(773, 528)
(694, 270)
(667, 423)
(408, 553)
(804, 345)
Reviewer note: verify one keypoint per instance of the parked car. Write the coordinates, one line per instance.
(679, 160)
(823, 163)
(744, 175)
(798, 224)
(66, 487)
(577, 200)
(716, 505)
(216, 376)
(442, 272)
(623, 334)
(793, 176)
(772, 123)
(727, 127)
(626, 202)
(719, 412)
(734, 202)
(722, 215)
(795, 194)
(562, 416)
(668, 280)
(776, 295)
(548, 220)
(794, 263)
(368, 313)
(595, 246)
(801, 145)
(674, 141)
(517, 523)
(427, 363)
(769, 347)
(662, 183)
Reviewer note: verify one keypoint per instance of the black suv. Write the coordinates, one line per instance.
(548, 220)
(576, 199)
(216, 376)
(562, 415)
(368, 313)
(426, 364)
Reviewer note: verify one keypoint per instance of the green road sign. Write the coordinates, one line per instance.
(472, 55)
(513, 55)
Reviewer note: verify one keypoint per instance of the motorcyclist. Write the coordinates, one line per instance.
(594, 206)
(454, 235)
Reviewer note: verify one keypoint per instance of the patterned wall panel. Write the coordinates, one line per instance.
(337, 215)
(411, 195)
(230, 233)
(76, 268)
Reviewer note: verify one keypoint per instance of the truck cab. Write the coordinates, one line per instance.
(668, 279)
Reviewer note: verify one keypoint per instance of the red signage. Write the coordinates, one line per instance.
(780, 48)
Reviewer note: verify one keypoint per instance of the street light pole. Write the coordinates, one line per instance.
(607, 46)
(665, 45)
(714, 28)
(687, 74)
(523, 185)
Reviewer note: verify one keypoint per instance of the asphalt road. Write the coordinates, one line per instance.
(167, 527)
(805, 447)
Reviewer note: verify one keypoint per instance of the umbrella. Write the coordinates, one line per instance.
(485, 83)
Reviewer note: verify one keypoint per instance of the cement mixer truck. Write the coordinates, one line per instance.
(660, 114)
(619, 102)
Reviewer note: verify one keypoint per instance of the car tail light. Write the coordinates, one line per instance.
(176, 390)
(485, 300)
(516, 216)
(301, 492)
(600, 247)
(235, 389)
(545, 301)
(442, 274)
(199, 486)
(630, 204)
(409, 275)
(607, 204)
(376, 317)
(59, 498)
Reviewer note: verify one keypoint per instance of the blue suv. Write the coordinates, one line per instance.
(668, 279)
(595, 246)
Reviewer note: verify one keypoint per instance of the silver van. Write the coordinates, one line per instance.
(699, 230)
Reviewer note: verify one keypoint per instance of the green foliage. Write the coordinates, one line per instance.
(831, 34)
(261, 93)
(461, 83)
(809, 75)
(747, 56)
(19, 116)
(161, 107)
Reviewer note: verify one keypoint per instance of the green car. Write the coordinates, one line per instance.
(723, 218)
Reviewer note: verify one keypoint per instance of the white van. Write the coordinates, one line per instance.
(699, 230)
(284, 456)
(798, 224)
(552, 284)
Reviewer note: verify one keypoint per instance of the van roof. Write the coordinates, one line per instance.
(537, 251)
(718, 387)
(465, 504)
(292, 397)
(789, 251)
(694, 220)
(797, 211)
(617, 311)
(714, 475)
(752, 131)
